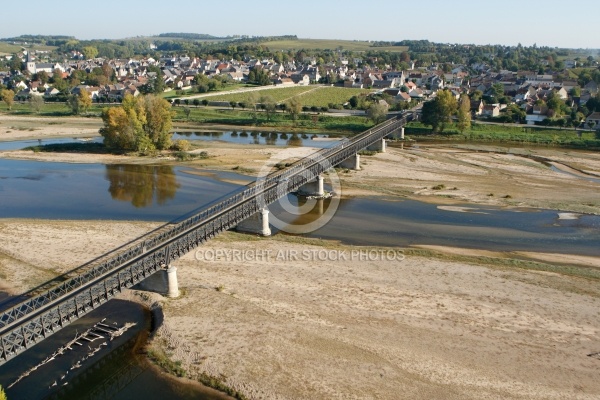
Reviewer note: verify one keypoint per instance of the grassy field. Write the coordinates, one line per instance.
(9, 48)
(481, 133)
(319, 96)
(279, 120)
(327, 44)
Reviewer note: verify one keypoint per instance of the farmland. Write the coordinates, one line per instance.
(320, 96)
(9, 48)
(326, 44)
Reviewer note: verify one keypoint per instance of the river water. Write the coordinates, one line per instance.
(45, 190)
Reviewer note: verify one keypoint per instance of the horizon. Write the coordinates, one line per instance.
(471, 23)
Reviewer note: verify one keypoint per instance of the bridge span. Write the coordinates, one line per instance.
(88, 287)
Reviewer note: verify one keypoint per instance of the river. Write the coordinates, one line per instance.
(45, 190)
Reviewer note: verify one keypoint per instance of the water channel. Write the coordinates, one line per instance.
(30, 189)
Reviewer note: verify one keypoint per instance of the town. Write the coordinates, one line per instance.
(562, 93)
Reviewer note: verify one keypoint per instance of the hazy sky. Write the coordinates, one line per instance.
(548, 23)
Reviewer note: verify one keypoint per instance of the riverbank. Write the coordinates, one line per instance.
(433, 323)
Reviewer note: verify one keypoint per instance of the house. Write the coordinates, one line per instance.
(477, 107)
(538, 114)
(416, 93)
(591, 87)
(300, 79)
(491, 110)
(593, 120)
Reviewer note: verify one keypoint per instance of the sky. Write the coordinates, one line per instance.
(549, 23)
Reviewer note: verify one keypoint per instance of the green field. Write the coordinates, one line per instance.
(327, 44)
(9, 48)
(279, 120)
(319, 96)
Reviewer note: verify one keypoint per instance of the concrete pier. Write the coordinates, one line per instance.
(314, 188)
(378, 146)
(353, 162)
(402, 133)
(257, 223)
(173, 286)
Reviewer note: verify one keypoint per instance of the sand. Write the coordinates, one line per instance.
(329, 327)
(324, 323)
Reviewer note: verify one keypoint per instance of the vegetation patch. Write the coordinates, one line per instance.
(94, 148)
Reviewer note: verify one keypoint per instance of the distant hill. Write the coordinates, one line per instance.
(37, 38)
(193, 36)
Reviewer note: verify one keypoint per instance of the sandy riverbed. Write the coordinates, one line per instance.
(333, 326)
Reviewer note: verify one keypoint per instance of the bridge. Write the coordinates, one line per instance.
(88, 287)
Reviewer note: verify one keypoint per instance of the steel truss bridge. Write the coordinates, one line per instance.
(25, 324)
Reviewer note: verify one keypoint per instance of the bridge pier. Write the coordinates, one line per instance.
(314, 188)
(378, 146)
(402, 133)
(173, 286)
(352, 162)
(257, 223)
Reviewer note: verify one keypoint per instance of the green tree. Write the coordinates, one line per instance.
(438, 111)
(85, 100)
(90, 52)
(2, 394)
(36, 103)
(158, 121)
(142, 124)
(377, 111)
(8, 96)
(187, 111)
(123, 126)
(464, 113)
(294, 106)
(233, 104)
(269, 105)
(556, 104)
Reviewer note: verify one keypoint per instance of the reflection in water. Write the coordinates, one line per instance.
(294, 140)
(140, 184)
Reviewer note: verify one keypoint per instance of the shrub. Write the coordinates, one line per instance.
(439, 187)
(181, 145)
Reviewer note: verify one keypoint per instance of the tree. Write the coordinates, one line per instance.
(85, 100)
(269, 105)
(233, 104)
(8, 96)
(158, 121)
(139, 124)
(36, 103)
(294, 107)
(378, 111)
(555, 103)
(204, 102)
(353, 101)
(438, 111)
(464, 113)
(187, 111)
(90, 52)
(2, 394)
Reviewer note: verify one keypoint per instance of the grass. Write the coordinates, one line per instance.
(95, 148)
(328, 44)
(279, 120)
(6, 47)
(318, 96)
(160, 358)
(509, 134)
(279, 95)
